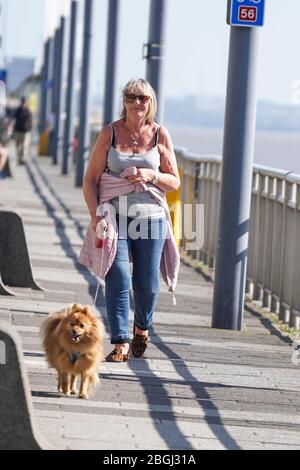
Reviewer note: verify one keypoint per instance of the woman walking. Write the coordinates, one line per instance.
(132, 166)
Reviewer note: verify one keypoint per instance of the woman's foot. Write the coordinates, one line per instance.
(119, 354)
(139, 342)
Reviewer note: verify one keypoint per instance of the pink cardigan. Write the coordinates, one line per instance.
(100, 260)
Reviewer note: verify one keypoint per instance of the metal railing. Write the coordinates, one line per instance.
(273, 268)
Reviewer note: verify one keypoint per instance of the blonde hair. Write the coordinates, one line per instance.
(143, 87)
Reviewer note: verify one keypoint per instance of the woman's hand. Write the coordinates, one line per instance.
(143, 175)
(95, 221)
(97, 218)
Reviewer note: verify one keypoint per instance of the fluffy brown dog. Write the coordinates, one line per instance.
(72, 339)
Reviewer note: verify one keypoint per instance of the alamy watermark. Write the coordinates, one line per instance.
(188, 222)
(2, 353)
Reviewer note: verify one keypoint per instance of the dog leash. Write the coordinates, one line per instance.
(97, 291)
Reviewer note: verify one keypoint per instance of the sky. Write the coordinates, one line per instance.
(197, 43)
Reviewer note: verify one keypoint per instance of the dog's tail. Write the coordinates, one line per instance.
(51, 323)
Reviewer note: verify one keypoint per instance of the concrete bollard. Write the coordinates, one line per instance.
(15, 268)
(17, 429)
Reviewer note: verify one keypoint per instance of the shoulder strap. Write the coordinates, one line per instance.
(156, 137)
(113, 137)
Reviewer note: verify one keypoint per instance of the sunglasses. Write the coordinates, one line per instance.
(130, 98)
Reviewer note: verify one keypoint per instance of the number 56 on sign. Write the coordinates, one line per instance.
(247, 13)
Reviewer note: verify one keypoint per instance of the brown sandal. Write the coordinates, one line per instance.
(139, 344)
(117, 356)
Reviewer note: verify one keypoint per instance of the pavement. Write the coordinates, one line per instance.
(195, 388)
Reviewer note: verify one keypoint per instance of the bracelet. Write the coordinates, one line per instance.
(156, 177)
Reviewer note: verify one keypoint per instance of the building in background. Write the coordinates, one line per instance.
(18, 69)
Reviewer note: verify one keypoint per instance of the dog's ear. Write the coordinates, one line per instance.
(87, 310)
(75, 307)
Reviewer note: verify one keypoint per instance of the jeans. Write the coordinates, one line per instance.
(146, 254)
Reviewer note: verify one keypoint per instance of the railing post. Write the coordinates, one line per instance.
(44, 87)
(155, 51)
(84, 128)
(238, 149)
(58, 109)
(111, 62)
(54, 54)
(68, 134)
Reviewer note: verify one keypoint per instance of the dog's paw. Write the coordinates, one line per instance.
(74, 392)
(83, 396)
(67, 393)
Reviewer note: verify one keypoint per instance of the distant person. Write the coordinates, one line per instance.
(75, 145)
(9, 118)
(22, 130)
(3, 149)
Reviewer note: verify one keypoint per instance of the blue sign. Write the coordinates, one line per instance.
(48, 84)
(246, 12)
(3, 75)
